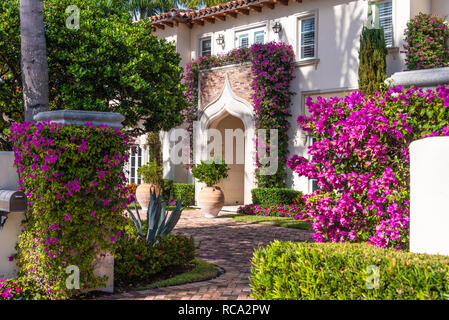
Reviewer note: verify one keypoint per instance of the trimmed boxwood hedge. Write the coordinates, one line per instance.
(269, 197)
(186, 191)
(309, 271)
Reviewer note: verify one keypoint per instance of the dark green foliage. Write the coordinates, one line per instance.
(135, 260)
(107, 59)
(185, 191)
(373, 60)
(151, 173)
(269, 197)
(158, 221)
(312, 271)
(166, 189)
(210, 172)
(155, 146)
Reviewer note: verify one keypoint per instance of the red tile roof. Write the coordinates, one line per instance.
(220, 11)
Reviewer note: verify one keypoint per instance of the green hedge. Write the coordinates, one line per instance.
(269, 197)
(167, 186)
(306, 271)
(186, 191)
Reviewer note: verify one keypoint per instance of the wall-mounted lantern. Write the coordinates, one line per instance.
(220, 40)
(277, 27)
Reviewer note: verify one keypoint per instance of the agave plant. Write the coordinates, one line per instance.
(159, 223)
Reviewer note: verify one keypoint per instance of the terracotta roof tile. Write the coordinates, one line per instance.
(189, 15)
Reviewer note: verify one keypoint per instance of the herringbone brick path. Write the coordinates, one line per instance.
(225, 243)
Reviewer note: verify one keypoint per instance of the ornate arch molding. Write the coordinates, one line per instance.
(229, 102)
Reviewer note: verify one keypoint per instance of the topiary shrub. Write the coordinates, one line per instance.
(210, 172)
(73, 178)
(314, 271)
(185, 191)
(426, 38)
(151, 173)
(269, 197)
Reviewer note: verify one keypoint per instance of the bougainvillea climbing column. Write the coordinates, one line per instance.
(73, 178)
(273, 66)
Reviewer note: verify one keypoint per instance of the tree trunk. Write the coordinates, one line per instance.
(34, 58)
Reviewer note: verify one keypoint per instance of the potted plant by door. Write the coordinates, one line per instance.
(151, 174)
(211, 197)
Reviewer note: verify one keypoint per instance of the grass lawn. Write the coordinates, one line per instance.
(202, 271)
(285, 222)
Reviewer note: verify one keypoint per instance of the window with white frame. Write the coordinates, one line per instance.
(386, 21)
(307, 37)
(135, 162)
(247, 38)
(206, 46)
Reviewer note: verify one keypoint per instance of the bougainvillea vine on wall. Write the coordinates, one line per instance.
(74, 181)
(272, 65)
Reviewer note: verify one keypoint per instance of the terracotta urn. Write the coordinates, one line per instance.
(211, 200)
(143, 194)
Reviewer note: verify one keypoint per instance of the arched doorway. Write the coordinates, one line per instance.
(240, 111)
(233, 185)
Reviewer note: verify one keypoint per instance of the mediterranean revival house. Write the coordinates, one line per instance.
(325, 36)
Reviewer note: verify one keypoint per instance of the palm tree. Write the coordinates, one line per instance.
(141, 9)
(33, 58)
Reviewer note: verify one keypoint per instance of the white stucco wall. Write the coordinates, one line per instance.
(339, 24)
(12, 227)
(441, 7)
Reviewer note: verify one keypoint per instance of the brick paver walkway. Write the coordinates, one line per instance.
(227, 244)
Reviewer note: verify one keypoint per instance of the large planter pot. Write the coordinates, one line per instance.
(211, 200)
(143, 194)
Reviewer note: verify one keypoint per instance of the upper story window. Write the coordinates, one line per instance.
(206, 46)
(386, 21)
(247, 38)
(307, 37)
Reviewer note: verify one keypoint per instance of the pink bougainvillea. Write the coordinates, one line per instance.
(361, 162)
(73, 178)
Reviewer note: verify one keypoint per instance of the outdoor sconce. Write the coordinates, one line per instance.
(220, 40)
(277, 27)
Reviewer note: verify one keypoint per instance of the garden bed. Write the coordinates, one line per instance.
(195, 271)
(286, 222)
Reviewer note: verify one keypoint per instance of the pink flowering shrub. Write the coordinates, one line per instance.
(361, 162)
(291, 210)
(273, 66)
(426, 37)
(74, 181)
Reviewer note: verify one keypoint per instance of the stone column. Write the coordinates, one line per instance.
(104, 264)
(429, 196)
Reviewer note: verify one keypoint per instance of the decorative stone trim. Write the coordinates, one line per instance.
(307, 62)
(80, 117)
(428, 78)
